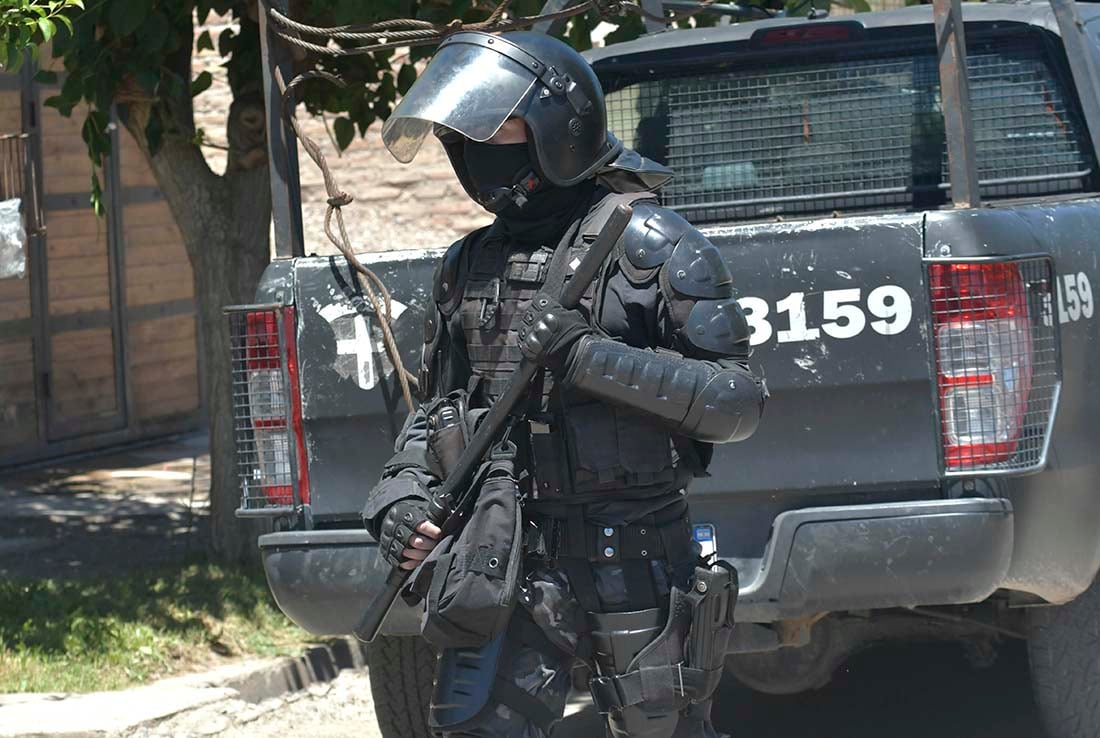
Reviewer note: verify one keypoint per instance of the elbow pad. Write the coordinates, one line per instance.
(704, 400)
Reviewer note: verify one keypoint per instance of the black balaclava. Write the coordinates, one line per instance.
(545, 215)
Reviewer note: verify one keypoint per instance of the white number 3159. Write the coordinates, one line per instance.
(842, 313)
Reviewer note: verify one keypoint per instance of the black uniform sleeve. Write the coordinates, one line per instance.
(677, 342)
(409, 474)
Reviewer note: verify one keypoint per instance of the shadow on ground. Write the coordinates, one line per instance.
(106, 514)
(916, 691)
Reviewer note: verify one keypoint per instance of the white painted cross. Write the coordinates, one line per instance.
(364, 343)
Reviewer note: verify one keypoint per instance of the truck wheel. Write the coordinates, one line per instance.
(1064, 650)
(402, 671)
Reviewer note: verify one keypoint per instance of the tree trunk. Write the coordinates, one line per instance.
(225, 222)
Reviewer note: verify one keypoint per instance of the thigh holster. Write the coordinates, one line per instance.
(646, 669)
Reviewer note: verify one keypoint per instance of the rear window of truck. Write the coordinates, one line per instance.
(809, 133)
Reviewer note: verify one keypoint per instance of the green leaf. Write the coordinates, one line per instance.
(15, 58)
(125, 16)
(225, 42)
(96, 200)
(94, 133)
(47, 27)
(57, 102)
(405, 78)
(71, 89)
(46, 77)
(386, 90)
(204, 42)
(345, 132)
(65, 19)
(201, 83)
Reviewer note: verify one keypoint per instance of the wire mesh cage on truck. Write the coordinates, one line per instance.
(998, 361)
(267, 411)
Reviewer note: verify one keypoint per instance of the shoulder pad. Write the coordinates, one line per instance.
(652, 234)
(449, 273)
(696, 268)
(446, 272)
(718, 326)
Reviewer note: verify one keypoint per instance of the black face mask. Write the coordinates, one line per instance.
(496, 171)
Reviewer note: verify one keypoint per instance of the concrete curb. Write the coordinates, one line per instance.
(106, 714)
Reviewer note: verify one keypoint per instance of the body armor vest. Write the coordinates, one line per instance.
(499, 287)
(579, 449)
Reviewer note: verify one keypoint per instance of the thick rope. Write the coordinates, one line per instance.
(402, 32)
(373, 287)
(408, 32)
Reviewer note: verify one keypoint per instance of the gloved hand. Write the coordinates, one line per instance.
(407, 536)
(550, 331)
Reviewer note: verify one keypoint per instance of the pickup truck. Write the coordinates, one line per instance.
(928, 465)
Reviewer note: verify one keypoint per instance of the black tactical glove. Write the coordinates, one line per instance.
(550, 331)
(399, 527)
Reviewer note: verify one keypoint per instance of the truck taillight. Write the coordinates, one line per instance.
(267, 409)
(997, 362)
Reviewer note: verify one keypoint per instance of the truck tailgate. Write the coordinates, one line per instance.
(840, 325)
(839, 314)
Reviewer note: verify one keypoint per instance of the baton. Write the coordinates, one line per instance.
(495, 420)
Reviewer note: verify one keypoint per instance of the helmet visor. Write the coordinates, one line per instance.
(467, 88)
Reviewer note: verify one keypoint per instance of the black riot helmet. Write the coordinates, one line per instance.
(477, 81)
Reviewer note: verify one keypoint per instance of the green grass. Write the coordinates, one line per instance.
(108, 633)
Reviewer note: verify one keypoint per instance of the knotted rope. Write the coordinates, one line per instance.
(406, 32)
(373, 287)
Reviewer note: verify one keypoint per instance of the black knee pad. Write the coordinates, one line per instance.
(464, 685)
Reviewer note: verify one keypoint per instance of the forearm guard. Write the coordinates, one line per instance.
(716, 402)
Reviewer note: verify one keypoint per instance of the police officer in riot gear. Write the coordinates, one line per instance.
(639, 382)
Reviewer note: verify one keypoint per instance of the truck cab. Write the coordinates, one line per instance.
(926, 466)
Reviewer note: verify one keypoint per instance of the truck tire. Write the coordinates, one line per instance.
(1064, 651)
(402, 671)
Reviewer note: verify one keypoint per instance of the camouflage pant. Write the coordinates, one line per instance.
(544, 671)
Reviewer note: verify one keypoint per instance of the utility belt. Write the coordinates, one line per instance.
(650, 538)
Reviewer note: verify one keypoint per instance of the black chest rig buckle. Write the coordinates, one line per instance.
(490, 305)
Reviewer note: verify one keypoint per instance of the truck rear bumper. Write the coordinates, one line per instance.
(862, 557)
(324, 579)
(818, 560)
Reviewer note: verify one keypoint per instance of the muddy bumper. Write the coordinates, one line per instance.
(829, 559)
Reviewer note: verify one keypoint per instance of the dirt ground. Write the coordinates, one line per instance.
(108, 513)
(900, 692)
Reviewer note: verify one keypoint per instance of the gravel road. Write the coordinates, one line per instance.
(902, 692)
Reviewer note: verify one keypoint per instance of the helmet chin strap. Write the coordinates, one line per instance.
(519, 193)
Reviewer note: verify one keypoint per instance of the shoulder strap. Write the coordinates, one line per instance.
(597, 218)
(450, 276)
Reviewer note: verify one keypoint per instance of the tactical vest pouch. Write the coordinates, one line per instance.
(475, 574)
(449, 430)
(612, 447)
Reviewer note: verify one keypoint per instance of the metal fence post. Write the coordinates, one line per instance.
(1082, 65)
(955, 95)
(282, 146)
